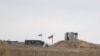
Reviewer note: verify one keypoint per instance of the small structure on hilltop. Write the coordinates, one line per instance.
(69, 36)
(15, 43)
(34, 42)
(72, 41)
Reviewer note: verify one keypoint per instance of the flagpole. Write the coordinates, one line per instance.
(41, 38)
(52, 41)
(51, 37)
(40, 35)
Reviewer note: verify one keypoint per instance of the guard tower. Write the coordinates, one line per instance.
(69, 36)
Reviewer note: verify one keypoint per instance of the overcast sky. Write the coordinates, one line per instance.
(25, 19)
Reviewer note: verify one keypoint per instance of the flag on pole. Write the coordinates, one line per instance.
(40, 35)
(51, 36)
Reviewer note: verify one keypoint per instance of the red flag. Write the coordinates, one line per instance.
(51, 36)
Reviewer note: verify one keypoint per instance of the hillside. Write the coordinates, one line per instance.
(76, 44)
(61, 48)
(3, 43)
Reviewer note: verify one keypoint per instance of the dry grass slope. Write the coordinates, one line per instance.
(7, 50)
(76, 44)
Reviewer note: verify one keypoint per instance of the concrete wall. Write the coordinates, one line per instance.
(71, 36)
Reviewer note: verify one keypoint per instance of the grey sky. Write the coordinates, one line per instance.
(25, 19)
